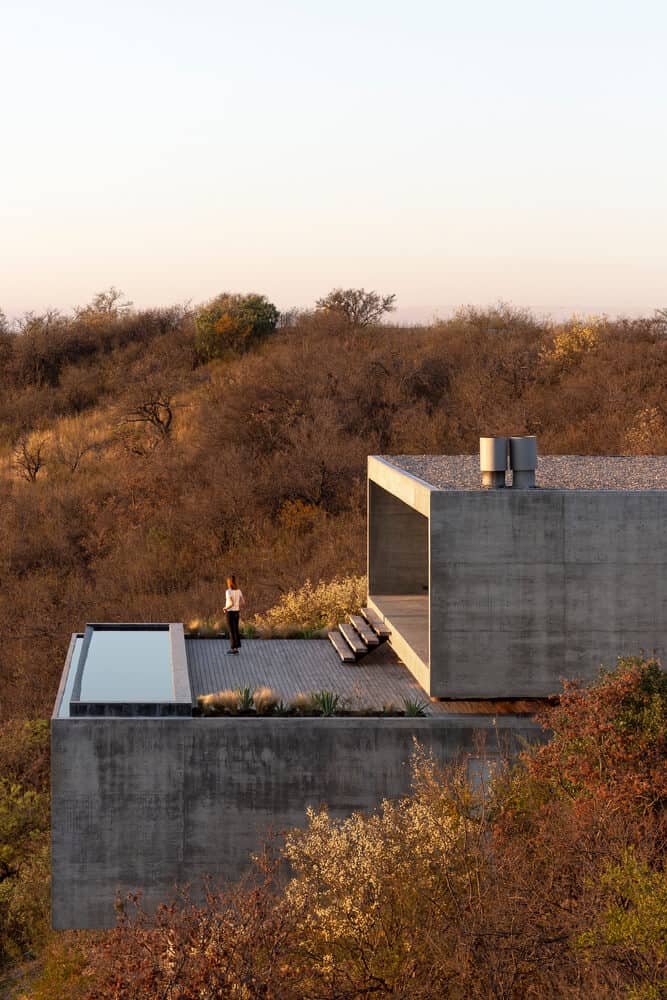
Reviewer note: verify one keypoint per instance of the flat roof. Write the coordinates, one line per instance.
(554, 472)
(290, 666)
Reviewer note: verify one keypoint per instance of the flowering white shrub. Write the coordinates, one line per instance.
(363, 885)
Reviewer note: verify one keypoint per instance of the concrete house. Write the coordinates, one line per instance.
(494, 591)
(486, 596)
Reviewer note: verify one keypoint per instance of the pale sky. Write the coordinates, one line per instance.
(450, 151)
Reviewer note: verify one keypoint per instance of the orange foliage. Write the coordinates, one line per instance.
(550, 885)
(161, 474)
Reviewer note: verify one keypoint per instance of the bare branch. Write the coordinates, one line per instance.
(28, 457)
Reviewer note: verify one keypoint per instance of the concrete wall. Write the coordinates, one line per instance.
(531, 586)
(149, 803)
(397, 545)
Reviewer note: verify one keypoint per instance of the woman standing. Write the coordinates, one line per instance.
(234, 601)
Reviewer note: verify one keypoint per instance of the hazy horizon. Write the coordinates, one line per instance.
(452, 155)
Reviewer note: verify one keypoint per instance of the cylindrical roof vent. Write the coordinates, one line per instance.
(493, 462)
(523, 461)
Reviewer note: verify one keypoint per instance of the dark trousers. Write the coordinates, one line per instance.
(233, 624)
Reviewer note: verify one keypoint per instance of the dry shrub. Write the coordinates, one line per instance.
(61, 969)
(227, 701)
(207, 628)
(24, 838)
(205, 702)
(550, 884)
(572, 341)
(265, 700)
(302, 704)
(73, 442)
(647, 434)
(221, 703)
(316, 607)
(232, 945)
(365, 888)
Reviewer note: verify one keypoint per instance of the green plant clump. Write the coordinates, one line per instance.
(246, 697)
(415, 707)
(326, 702)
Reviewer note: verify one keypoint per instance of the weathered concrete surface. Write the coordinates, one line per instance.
(525, 587)
(407, 616)
(398, 545)
(398, 560)
(408, 487)
(529, 587)
(145, 804)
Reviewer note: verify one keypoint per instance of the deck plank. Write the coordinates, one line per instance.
(353, 639)
(364, 630)
(341, 647)
(376, 623)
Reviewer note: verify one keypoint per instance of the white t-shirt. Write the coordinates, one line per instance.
(233, 599)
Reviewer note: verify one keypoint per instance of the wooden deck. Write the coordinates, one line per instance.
(289, 666)
(293, 665)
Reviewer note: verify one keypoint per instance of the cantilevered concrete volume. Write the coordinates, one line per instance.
(502, 592)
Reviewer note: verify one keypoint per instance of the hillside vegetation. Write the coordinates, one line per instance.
(144, 454)
(553, 884)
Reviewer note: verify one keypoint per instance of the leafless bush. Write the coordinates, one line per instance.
(28, 456)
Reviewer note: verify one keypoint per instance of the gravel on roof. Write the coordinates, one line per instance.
(554, 472)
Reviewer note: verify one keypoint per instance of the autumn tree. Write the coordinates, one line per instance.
(232, 944)
(38, 348)
(231, 324)
(572, 342)
(356, 306)
(609, 741)
(107, 304)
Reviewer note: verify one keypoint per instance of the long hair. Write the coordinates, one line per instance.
(231, 582)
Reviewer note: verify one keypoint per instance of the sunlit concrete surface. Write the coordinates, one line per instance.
(524, 587)
(408, 617)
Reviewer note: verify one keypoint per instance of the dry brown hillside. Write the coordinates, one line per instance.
(133, 476)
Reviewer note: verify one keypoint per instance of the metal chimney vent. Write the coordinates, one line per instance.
(523, 461)
(493, 462)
